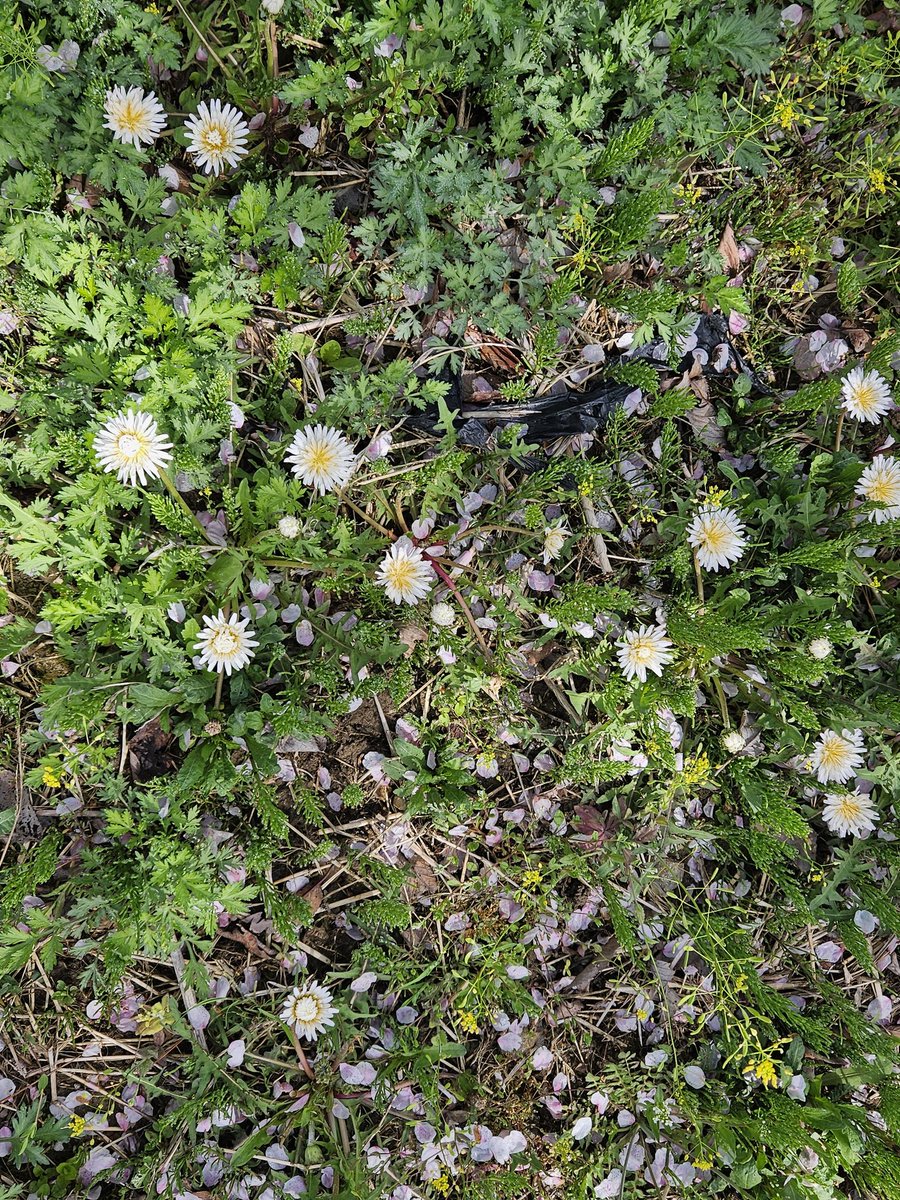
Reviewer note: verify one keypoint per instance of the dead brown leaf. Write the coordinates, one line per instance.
(728, 249)
(410, 635)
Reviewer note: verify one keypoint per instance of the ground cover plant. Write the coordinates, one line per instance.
(388, 811)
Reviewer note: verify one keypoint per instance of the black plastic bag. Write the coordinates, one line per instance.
(569, 413)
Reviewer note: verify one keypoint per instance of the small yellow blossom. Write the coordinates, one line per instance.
(531, 879)
(468, 1022)
(51, 778)
(642, 1014)
(878, 180)
(441, 1185)
(77, 1125)
(787, 113)
(695, 770)
(764, 1070)
(689, 192)
(702, 1164)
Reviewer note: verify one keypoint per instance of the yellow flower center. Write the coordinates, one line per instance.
(401, 573)
(131, 117)
(320, 459)
(225, 642)
(849, 808)
(883, 490)
(214, 138)
(714, 535)
(833, 752)
(643, 650)
(866, 397)
(132, 446)
(306, 1008)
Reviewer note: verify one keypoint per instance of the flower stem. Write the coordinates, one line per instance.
(698, 573)
(300, 1055)
(181, 502)
(466, 611)
(344, 499)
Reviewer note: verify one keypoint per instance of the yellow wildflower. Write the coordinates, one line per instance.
(441, 1185)
(764, 1070)
(51, 778)
(787, 113)
(702, 1164)
(531, 879)
(695, 769)
(77, 1125)
(878, 180)
(468, 1022)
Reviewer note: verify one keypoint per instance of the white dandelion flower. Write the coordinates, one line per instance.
(733, 741)
(648, 649)
(226, 644)
(134, 116)
(717, 536)
(837, 756)
(131, 445)
(820, 648)
(851, 813)
(289, 527)
(880, 484)
(321, 457)
(866, 395)
(308, 1010)
(405, 573)
(444, 616)
(217, 134)
(554, 540)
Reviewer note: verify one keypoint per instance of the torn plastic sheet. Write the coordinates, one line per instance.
(569, 413)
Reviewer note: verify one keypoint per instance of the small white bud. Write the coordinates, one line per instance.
(443, 615)
(289, 527)
(733, 741)
(820, 648)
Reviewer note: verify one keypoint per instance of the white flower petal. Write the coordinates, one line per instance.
(647, 649)
(321, 457)
(226, 644)
(131, 446)
(309, 1010)
(135, 117)
(217, 135)
(405, 573)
